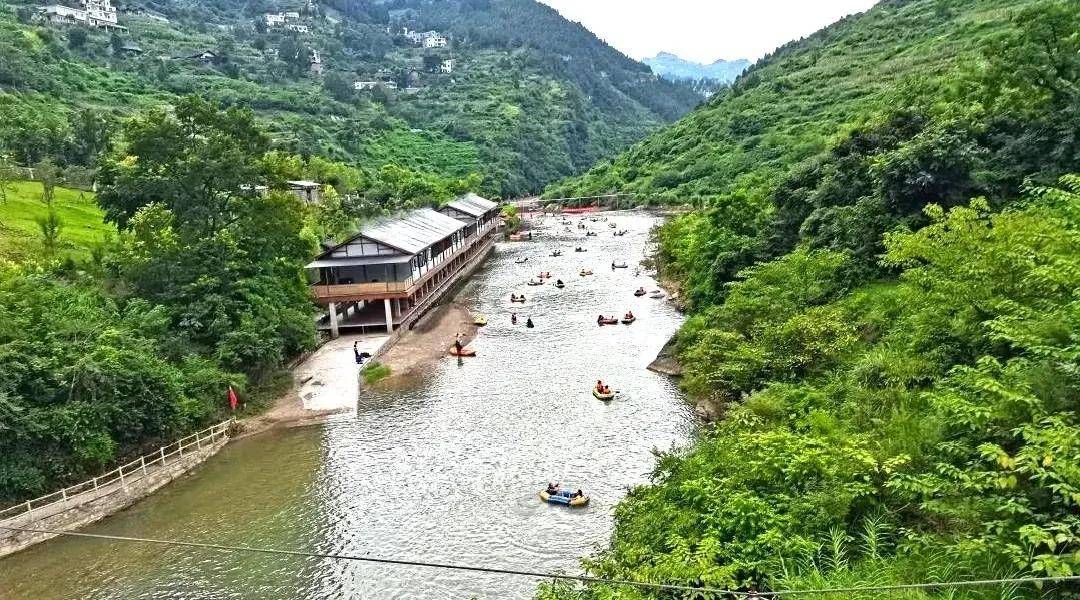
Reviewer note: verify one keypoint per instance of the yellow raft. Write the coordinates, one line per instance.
(564, 499)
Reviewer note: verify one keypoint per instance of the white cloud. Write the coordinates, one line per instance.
(704, 30)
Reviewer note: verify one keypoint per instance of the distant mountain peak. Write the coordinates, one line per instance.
(675, 68)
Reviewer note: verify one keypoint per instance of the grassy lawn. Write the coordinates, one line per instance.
(20, 236)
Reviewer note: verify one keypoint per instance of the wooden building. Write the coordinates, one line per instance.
(395, 267)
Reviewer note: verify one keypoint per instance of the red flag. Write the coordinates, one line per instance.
(232, 398)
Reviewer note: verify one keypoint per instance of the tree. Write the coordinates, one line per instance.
(117, 43)
(201, 238)
(432, 63)
(50, 226)
(337, 86)
(8, 173)
(48, 174)
(91, 134)
(199, 161)
(77, 38)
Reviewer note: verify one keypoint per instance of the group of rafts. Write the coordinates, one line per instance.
(554, 494)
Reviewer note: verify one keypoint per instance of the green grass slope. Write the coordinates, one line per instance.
(802, 99)
(20, 237)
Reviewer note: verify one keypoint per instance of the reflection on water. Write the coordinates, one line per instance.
(447, 471)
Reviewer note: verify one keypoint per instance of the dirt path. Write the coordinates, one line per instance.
(428, 343)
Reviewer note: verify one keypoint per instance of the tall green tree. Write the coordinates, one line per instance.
(203, 239)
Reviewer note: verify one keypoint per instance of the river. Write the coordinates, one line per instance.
(446, 471)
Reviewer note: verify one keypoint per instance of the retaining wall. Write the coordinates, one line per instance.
(97, 504)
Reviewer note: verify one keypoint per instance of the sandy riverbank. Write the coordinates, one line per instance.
(428, 343)
(324, 384)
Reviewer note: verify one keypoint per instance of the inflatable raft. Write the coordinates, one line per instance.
(480, 321)
(465, 352)
(640, 293)
(629, 321)
(604, 397)
(563, 497)
(609, 321)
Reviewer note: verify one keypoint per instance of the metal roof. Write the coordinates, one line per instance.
(471, 204)
(359, 261)
(413, 231)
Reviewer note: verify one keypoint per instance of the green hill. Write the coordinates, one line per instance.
(530, 97)
(800, 100)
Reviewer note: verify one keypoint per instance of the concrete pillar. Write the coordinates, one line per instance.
(333, 320)
(389, 316)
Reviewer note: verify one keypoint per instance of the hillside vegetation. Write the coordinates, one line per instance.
(531, 97)
(882, 277)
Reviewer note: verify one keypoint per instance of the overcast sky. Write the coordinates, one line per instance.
(704, 30)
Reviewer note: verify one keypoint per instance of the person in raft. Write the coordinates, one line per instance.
(529, 323)
(552, 489)
(513, 297)
(513, 319)
(457, 343)
(558, 282)
(600, 319)
(629, 315)
(577, 494)
(600, 387)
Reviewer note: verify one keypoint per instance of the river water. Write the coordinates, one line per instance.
(446, 471)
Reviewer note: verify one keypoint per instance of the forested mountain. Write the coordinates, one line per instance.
(705, 78)
(882, 273)
(527, 97)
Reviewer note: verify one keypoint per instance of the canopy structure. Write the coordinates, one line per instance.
(473, 205)
(394, 238)
(413, 231)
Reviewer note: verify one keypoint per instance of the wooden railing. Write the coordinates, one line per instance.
(124, 475)
(324, 291)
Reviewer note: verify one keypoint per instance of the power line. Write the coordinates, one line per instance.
(557, 576)
(385, 561)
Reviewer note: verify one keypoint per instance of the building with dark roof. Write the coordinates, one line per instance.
(403, 262)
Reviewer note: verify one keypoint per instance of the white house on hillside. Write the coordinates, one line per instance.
(434, 41)
(447, 66)
(93, 13)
